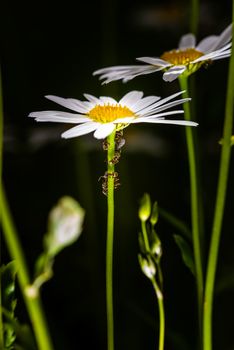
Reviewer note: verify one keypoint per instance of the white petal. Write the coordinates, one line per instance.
(144, 71)
(127, 73)
(207, 43)
(70, 103)
(145, 102)
(104, 130)
(155, 61)
(166, 121)
(60, 117)
(187, 41)
(107, 100)
(223, 38)
(125, 120)
(166, 99)
(156, 116)
(80, 130)
(169, 105)
(91, 98)
(131, 98)
(212, 55)
(173, 72)
(112, 69)
(221, 56)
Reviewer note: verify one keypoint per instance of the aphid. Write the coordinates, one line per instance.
(116, 158)
(105, 145)
(105, 177)
(119, 140)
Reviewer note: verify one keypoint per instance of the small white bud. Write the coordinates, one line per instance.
(147, 266)
(65, 224)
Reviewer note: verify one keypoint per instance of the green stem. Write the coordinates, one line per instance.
(194, 16)
(145, 237)
(219, 207)
(161, 314)
(109, 241)
(1, 156)
(158, 292)
(32, 301)
(195, 209)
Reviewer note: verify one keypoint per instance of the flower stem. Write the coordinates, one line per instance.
(1, 156)
(195, 205)
(161, 314)
(109, 241)
(33, 302)
(144, 232)
(194, 16)
(219, 207)
(158, 292)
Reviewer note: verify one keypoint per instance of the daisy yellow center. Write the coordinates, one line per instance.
(109, 113)
(181, 57)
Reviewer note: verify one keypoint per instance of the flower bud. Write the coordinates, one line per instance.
(145, 207)
(154, 214)
(65, 225)
(147, 266)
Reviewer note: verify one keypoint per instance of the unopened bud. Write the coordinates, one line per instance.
(154, 214)
(147, 266)
(145, 207)
(156, 245)
(65, 224)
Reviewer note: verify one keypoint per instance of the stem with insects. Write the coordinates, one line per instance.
(219, 207)
(109, 241)
(195, 203)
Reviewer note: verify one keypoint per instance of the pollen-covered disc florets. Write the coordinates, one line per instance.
(108, 113)
(181, 57)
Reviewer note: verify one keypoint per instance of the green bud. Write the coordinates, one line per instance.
(64, 226)
(156, 249)
(145, 207)
(147, 266)
(155, 245)
(154, 214)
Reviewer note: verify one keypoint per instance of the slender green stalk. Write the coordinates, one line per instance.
(157, 290)
(110, 241)
(161, 314)
(194, 16)
(195, 209)
(1, 156)
(219, 207)
(32, 300)
(144, 232)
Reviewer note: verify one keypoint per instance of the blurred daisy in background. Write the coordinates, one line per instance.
(103, 115)
(186, 59)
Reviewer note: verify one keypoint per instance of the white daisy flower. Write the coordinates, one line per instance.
(104, 114)
(186, 59)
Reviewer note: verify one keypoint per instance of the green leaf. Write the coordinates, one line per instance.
(8, 275)
(176, 223)
(186, 252)
(23, 335)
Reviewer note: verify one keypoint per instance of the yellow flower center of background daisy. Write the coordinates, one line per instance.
(181, 57)
(108, 113)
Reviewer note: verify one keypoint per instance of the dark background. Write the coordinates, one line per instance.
(52, 48)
